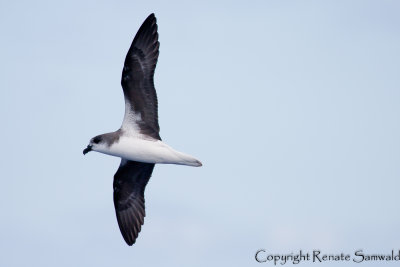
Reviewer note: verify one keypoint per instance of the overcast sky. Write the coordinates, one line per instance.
(292, 106)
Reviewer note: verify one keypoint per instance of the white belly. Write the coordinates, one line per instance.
(148, 151)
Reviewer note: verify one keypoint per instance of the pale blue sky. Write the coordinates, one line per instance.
(292, 106)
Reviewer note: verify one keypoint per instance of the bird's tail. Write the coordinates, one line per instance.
(185, 159)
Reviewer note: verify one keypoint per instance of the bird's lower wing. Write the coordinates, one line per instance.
(130, 181)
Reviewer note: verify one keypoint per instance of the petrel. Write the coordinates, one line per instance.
(137, 142)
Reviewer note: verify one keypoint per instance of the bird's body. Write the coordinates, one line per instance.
(145, 150)
(137, 142)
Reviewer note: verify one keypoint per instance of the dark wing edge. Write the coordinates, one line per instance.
(130, 181)
(138, 77)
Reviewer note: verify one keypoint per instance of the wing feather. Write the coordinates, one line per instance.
(141, 106)
(130, 181)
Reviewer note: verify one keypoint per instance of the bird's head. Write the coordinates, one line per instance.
(95, 144)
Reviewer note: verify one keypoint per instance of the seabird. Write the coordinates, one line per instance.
(137, 142)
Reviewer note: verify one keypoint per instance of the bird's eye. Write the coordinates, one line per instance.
(96, 140)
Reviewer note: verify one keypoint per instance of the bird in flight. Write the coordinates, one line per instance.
(137, 142)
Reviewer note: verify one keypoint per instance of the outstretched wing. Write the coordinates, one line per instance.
(141, 108)
(130, 181)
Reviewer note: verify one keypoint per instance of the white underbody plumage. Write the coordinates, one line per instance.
(148, 151)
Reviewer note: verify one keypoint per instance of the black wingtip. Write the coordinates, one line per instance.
(151, 17)
(148, 28)
(130, 243)
(129, 239)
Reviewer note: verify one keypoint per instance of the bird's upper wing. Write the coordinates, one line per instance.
(141, 111)
(130, 181)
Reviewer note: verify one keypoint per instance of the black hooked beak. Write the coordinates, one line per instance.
(88, 149)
